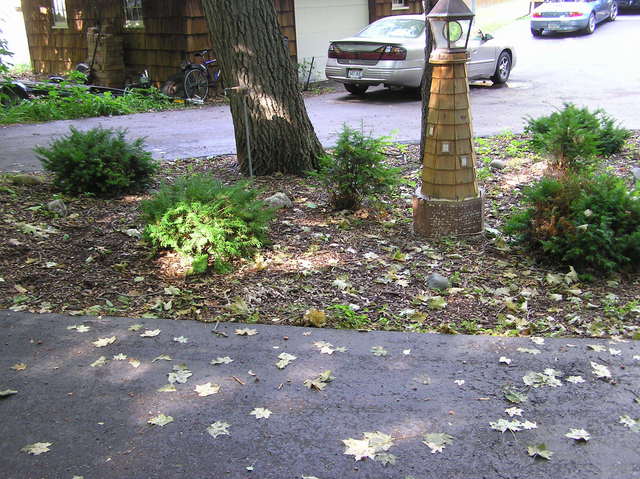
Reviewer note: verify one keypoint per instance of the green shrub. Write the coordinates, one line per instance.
(356, 170)
(98, 161)
(206, 221)
(575, 137)
(589, 222)
(70, 99)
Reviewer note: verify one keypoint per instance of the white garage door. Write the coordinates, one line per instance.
(320, 21)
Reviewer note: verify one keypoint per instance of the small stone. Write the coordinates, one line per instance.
(498, 165)
(635, 172)
(278, 201)
(58, 207)
(25, 180)
(437, 281)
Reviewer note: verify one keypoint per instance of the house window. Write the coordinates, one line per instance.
(59, 11)
(133, 14)
(398, 4)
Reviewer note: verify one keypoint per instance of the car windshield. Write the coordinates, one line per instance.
(394, 27)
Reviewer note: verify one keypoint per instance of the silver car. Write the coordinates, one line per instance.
(390, 51)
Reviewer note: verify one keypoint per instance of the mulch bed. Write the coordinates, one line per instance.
(91, 262)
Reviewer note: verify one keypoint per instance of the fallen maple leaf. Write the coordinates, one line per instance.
(162, 357)
(437, 441)
(246, 332)
(539, 450)
(578, 435)
(150, 333)
(379, 351)
(207, 389)
(37, 448)
(261, 413)
(19, 367)
(223, 360)
(102, 342)
(360, 448)
(600, 371)
(169, 388)
(285, 359)
(101, 361)
(219, 428)
(160, 420)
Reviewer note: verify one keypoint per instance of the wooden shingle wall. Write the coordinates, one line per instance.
(171, 27)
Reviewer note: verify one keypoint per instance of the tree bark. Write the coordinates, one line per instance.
(427, 5)
(251, 53)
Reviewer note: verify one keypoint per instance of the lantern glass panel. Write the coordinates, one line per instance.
(449, 33)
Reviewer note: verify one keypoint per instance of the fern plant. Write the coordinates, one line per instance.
(206, 221)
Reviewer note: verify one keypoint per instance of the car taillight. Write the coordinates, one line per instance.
(393, 53)
(332, 51)
(575, 14)
(536, 15)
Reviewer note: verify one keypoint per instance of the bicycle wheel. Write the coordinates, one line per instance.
(196, 84)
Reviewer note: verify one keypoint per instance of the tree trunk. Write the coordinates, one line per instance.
(427, 5)
(251, 53)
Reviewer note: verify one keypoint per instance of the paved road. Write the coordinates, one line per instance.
(96, 417)
(596, 70)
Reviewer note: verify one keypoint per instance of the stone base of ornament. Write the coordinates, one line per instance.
(433, 218)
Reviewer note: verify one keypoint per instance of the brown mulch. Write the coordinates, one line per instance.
(89, 263)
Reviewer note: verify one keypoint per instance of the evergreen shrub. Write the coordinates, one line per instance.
(591, 222)
(98, 161)
(356, 169)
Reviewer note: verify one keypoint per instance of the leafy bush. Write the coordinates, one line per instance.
(206, 221)
(575, 137)
(591, 223)
(356, 170)
(70, 99)
(4, 65)
(98, 161)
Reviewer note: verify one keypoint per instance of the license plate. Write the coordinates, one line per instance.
(553, 27)
(354, 74)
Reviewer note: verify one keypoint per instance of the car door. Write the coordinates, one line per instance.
(603, 8)
(482, 57)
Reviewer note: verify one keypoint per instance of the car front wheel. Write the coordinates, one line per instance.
(355, 89)
(536, 33)
(503, 68)
(613, 13)
(591, 25)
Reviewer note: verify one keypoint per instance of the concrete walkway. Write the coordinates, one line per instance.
(95, 416)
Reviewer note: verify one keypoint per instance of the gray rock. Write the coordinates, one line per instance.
(58, 207)
(636, 174)
(498, 165)
(278, 200)
(437, 281)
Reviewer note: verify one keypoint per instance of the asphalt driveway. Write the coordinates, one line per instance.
(595, 70)
(89, 417)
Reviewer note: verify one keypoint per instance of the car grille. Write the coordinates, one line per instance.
(351, 61)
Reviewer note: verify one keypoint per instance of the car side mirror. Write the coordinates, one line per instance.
(487, 36)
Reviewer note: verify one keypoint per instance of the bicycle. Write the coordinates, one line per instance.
(195, 78)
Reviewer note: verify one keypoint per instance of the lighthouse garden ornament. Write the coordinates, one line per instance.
(449, 202)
